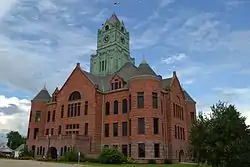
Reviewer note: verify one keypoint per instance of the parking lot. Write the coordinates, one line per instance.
(27, 163)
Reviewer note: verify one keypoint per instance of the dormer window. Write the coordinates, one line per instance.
(116, 84)
(122, 29)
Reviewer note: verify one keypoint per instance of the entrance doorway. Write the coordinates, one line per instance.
(181, 155)
(52, 152)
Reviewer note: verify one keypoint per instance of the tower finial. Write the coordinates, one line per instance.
(143, 59)
(44, 87)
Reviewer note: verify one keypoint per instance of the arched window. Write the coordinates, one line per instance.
(75, 96)
(124, 106)
(106, 27)
(107, 108)
(115, 107)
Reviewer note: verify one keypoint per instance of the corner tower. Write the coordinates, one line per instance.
(112, 48)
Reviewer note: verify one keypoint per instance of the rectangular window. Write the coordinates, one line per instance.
(75, 110)
(59, 129)
(79, 109)
(124, 106)
(68, 115)
(116, 85)
(48, 116)
(129, 150)
(52, 131)
(86, 108)
(156, 125)
(124, 129)
(125, 150)
(38, 116)
(54, 116)
(140, 100)
(112, 86)
(183, 134)
(157, 150)
(86, 131)
(116, 107)
(141, 150)
(175, 131)
(106, 129)
(115, 129)
(36, 132)
(154, 100)
(178, 132)
(71, 110)
(62, 111)
(141, 126)
(174, 109)
(102, 65)
(129, 103)
(47, 131)
(130, 128)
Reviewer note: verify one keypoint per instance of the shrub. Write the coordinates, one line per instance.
(130, 160)
(111, 156)
(152, 161)
(25, 152)
(72, 156)
(167, 161)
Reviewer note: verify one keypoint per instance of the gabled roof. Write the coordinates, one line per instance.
(188, 97)
(166, 83)
(43, 95)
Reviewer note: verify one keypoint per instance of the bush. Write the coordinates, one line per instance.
(167, 161)
(152, 161)
(130, 160)
(72, 156)
(25, 152)
(111, 156)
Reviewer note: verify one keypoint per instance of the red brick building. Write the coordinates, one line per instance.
(115, 104)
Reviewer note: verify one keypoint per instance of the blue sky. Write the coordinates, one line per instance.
(206, 42)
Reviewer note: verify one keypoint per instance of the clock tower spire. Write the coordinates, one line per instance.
(112, 48)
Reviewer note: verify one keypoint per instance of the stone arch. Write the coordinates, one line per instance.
(75, 96)
(52, 152)
(181, 155)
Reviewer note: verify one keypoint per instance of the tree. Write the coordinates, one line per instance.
(15, 139)
(222, 139)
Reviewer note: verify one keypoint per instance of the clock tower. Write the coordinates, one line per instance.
(112, 48)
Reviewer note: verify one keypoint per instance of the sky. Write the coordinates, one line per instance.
(206, 42)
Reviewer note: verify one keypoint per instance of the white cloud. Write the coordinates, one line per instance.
(14, 114)
(174, 58)
(34, 44)
(165, 3)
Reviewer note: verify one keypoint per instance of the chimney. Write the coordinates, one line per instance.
(77, 64)
(174, 73)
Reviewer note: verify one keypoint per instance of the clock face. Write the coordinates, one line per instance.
(106, 38)
(122, 40)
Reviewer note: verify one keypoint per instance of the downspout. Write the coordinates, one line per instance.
(103, 101)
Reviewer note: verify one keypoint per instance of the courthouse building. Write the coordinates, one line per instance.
(116, 104)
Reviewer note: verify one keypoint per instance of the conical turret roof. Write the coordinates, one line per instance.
(43, 95)
(145, 69)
